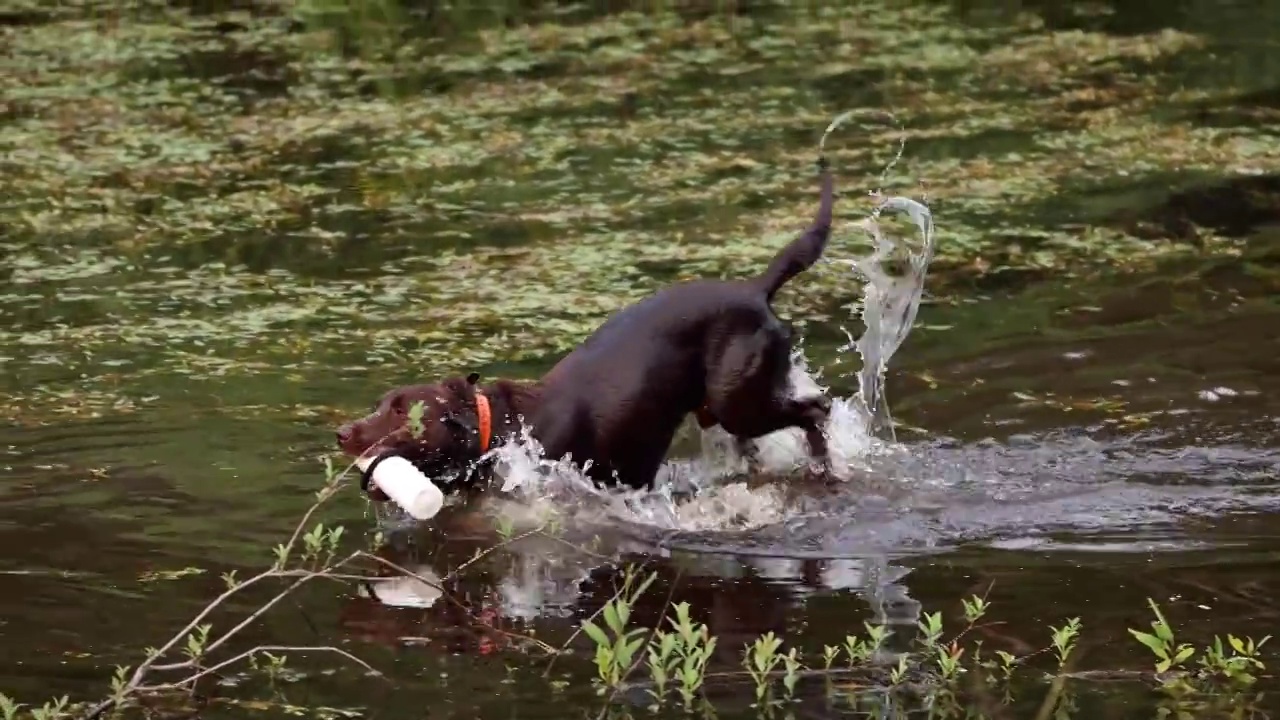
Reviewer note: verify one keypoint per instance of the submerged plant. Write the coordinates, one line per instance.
(1169, 654)
(1236, 666)
(51, 710)
(948, 659)
(931, 628)
(791, 674)
(694, 649)
(860, 650)
(617, 647)
(974, 609)
(9, 707)
(662, 660)
(1064, 640)
(899, 672)
(760, 659)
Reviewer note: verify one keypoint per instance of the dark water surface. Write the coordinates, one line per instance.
(228, 226)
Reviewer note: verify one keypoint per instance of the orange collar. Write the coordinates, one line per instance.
(486, 420)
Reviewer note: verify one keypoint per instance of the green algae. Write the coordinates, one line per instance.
(302, 188)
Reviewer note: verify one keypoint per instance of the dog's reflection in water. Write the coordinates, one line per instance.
(468, 597)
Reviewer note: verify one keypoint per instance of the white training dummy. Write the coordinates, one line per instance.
(405, 485)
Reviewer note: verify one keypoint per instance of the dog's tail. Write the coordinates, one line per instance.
(800, 254)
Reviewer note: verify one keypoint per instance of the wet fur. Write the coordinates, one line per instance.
(714, 348)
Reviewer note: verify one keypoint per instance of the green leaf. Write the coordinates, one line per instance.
(594, 632)
(623, 653)
(682, 613)
(1150, 641)
(632, 647)
(645, 585)
(611, 618)
(1183, 654)
(667, 643)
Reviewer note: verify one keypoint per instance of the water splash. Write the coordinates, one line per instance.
(889, 307)
(861, 425)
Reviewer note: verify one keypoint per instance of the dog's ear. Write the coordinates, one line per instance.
(472, 378)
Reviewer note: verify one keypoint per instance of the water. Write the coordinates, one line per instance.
(227, 229)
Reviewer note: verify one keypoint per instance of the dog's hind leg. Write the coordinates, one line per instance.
(751, 396)
(743, 445)
(777, 413)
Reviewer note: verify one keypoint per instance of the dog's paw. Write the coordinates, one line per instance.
(819, 472)
(819, 404)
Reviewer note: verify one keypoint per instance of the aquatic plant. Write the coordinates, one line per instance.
(617, 651)
(934, 667)
(1216, 664)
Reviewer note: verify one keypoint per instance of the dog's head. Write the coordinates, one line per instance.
(433, 426)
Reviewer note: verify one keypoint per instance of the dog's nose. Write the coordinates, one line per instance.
(344, 434)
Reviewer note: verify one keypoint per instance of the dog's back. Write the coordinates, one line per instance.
(620, 396)
(682, 316)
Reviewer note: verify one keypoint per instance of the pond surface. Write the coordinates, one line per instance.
(229, 226)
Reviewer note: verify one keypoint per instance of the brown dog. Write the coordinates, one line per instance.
(710, 347)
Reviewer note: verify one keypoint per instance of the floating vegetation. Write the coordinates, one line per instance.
(294, 187)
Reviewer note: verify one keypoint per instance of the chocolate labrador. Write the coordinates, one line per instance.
(714, 348)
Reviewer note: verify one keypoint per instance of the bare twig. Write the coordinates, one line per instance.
(326, 492)
(579, 548)
(489, 550)
(150, 663)
(188, 681)
(256, 614)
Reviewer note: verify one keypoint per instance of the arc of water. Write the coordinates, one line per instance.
(889, 307)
